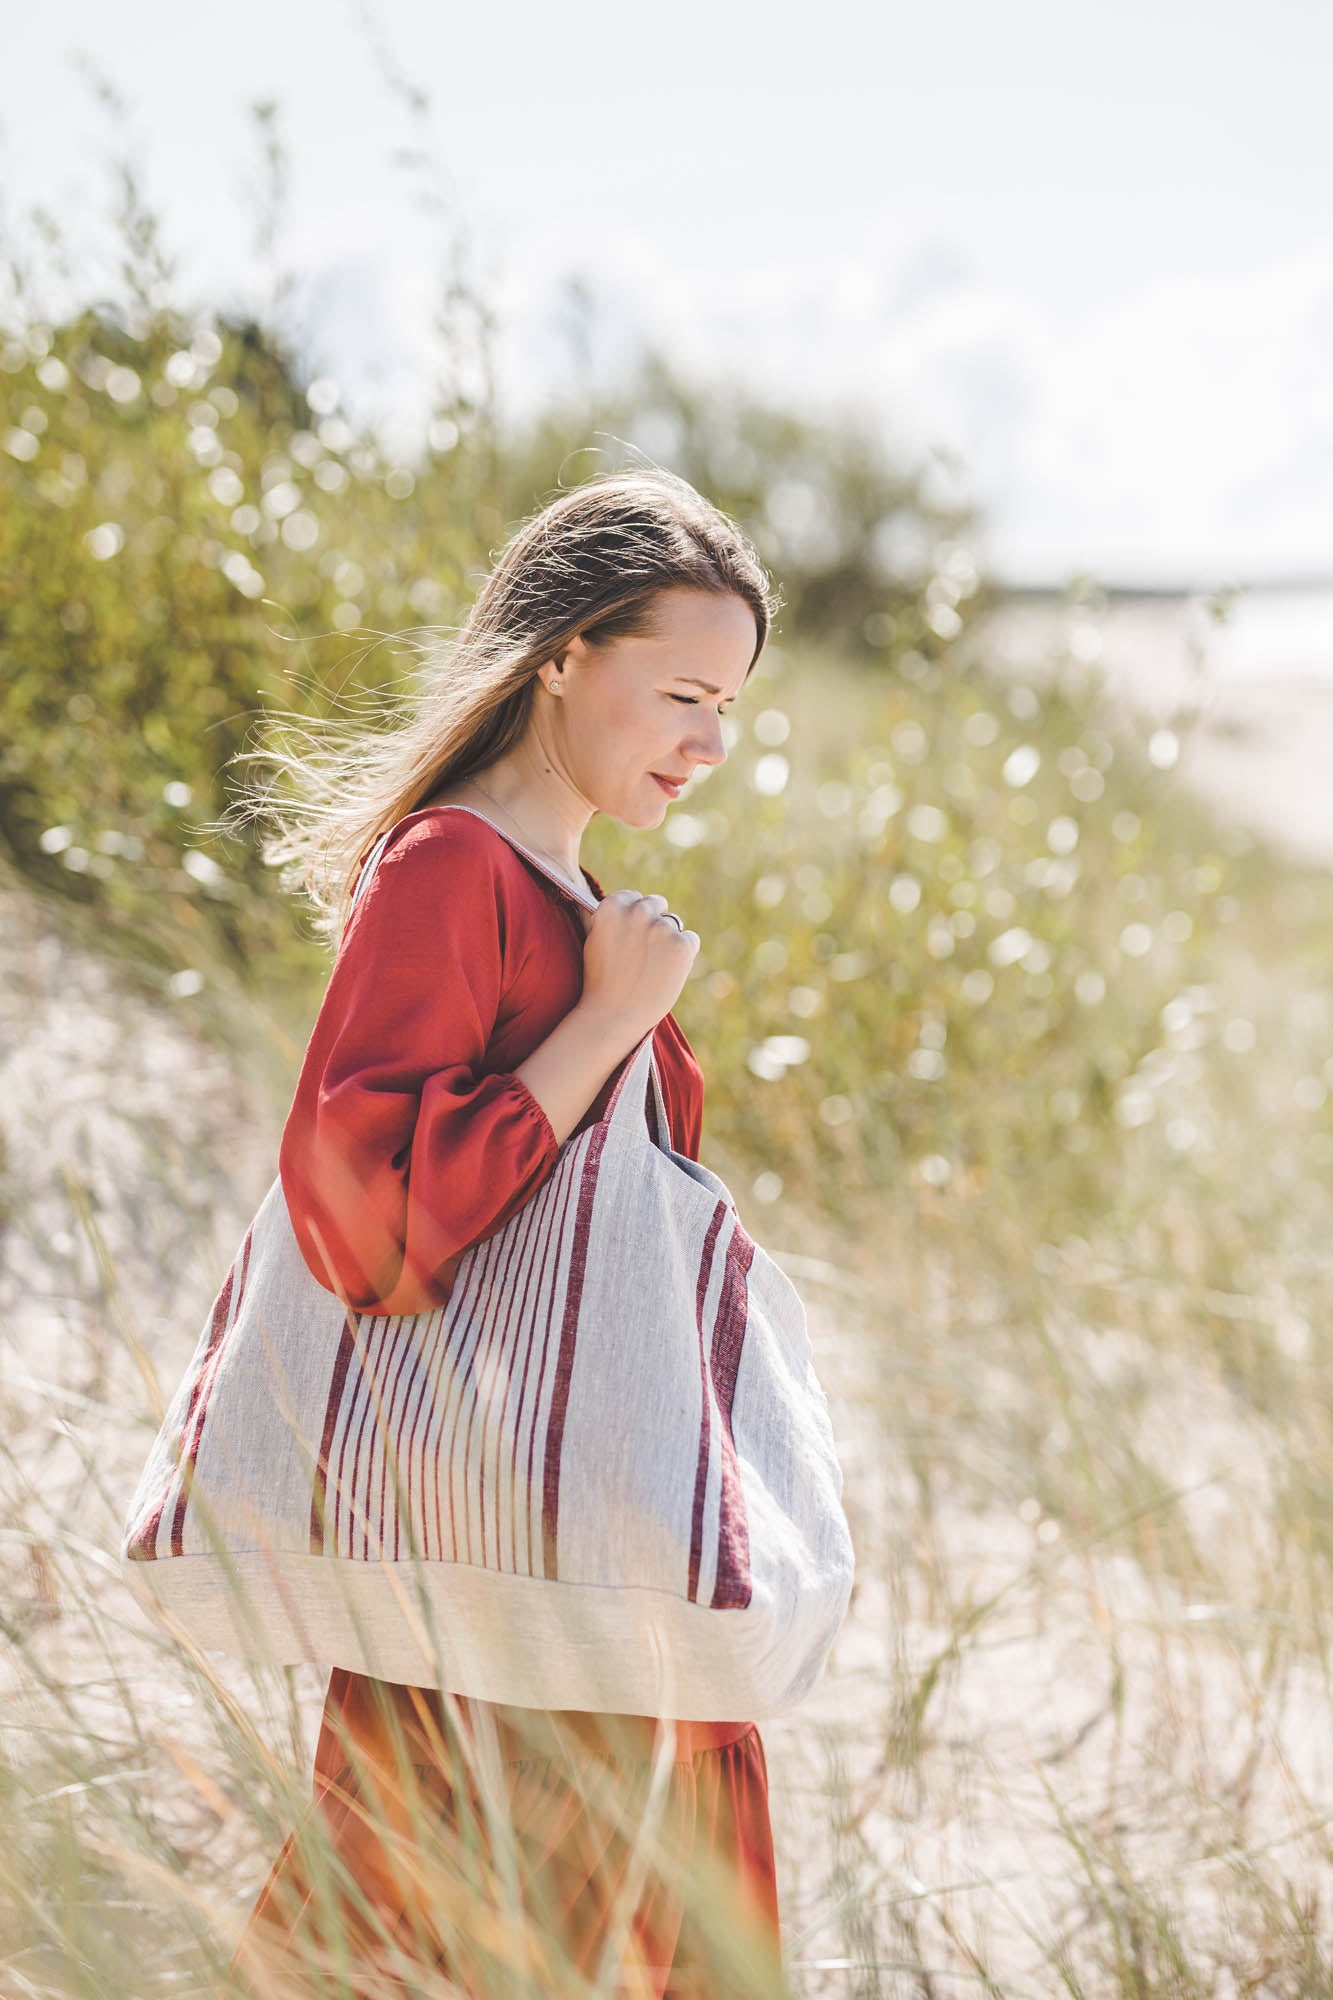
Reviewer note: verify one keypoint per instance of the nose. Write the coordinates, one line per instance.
(704, 743)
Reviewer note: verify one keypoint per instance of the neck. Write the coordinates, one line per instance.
(542, 812)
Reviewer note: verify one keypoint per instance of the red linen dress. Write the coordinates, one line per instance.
(409, 1140)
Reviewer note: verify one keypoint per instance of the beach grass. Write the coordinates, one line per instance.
(1055, 1185)
(1018, 1057)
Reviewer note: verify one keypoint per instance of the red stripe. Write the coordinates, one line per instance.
(551, 1248)
(490, 1340)
(488, 1320)
(381, 1404)
(541, 1343)
(203, 1383)
(372, 1328)
(344, 1517)
(245, 1267)
(734, 1585)
(372, 1410)
(551, 1355)
(504, 1412)
(564, 1368)
(412, 1417)
(462, 1392)
(539, 1320)
(417, 1432)
(332, 1412)
(706, 1402)
(506, 1429)
(436, 1409)
(532, 1242)
(393, 1453)
(380, 1396)
(457, 1386)
(392, 1445)
(343, 1525)
(347, 1407)
(320, 1490)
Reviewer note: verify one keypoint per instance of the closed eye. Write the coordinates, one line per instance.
(693, 701)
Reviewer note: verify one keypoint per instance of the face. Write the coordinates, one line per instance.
(650, 705)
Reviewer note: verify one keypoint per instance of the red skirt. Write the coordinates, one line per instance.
(679, 1885)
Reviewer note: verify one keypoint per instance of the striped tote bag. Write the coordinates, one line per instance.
(602, 1476)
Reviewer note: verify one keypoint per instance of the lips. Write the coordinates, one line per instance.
(671, 785)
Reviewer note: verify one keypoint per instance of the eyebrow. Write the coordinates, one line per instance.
(709, 686)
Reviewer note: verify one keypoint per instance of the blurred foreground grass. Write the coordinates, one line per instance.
(1022, 1065)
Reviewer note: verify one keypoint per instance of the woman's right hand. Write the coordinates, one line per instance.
(636, 959)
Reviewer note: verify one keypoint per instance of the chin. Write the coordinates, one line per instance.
(636, 814)
(645, 805)
(651, 810)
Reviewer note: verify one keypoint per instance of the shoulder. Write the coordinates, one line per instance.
(450, 863)
(458, 846)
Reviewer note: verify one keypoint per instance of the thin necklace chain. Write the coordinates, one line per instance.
(583, 887)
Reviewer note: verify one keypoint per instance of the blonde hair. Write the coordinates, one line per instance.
(588, 565)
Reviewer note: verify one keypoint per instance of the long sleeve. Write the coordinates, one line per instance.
(401, 1150)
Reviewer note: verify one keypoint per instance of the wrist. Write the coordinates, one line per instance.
(609, 1027)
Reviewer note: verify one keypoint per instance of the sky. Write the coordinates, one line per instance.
(1077, 259)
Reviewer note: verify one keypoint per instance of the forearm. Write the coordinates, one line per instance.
(566, 1071)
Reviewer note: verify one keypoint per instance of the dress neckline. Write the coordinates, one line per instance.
(589, 902)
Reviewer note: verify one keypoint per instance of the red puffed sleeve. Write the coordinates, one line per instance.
(399, 1151)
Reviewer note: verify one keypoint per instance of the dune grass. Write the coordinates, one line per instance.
(1017, 1058)
(1021, 1064)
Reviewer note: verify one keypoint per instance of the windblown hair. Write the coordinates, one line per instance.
(589, 565)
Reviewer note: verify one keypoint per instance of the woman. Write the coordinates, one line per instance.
(475, 1019)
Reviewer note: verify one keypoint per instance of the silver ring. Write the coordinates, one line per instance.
(674, 918)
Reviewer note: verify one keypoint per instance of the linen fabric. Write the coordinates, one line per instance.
(600, 1475)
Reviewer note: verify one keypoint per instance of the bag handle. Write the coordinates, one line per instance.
(588, 900)
(586, 897)
(637, 1083)
(368, 866)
